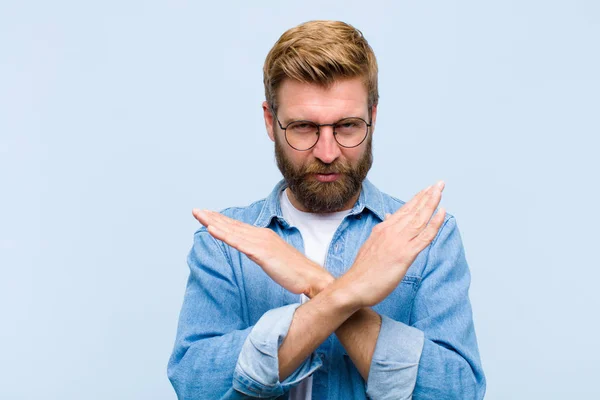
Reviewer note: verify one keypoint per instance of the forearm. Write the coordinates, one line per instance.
(312, 323)
(358, 334)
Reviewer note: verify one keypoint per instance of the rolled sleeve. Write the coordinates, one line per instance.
(395, 362)
(436, 356)
(257, 370)
(450, 366)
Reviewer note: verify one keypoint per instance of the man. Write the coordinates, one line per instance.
(328, 288)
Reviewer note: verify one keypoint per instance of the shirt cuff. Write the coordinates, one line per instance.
(257, 370)
(393, 371)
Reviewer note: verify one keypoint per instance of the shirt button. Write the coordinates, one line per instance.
(336, 248)
(359, 216)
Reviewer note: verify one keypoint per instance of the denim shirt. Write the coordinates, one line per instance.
(234, 318)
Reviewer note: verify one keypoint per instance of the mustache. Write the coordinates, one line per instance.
(319, 167)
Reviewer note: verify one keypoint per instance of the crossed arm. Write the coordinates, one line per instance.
(343, 305)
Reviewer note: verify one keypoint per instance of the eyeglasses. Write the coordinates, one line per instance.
(304, 135)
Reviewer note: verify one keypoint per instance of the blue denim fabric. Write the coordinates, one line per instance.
(234, 318)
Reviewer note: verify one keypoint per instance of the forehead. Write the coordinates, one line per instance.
(344, 98)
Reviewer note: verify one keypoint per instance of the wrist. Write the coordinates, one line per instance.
(341, 297)
(353, 287)
(320, 281)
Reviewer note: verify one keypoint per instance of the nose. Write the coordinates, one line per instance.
(326, 149)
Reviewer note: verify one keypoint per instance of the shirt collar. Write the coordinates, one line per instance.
(370, 197)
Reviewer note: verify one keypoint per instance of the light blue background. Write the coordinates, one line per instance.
(118, 117)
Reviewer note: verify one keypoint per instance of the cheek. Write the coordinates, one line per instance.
(296, 158)
(353, 156)
(301, 160)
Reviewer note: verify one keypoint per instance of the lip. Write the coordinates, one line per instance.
(327, 177)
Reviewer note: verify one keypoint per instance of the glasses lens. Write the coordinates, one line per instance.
(350, 132)
(302, 135)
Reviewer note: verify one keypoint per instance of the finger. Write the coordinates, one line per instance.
(225, 236)
(429, 233)
(216, 216)
(425, 209)
(253, 235)
(202, 216)
(228, 230)
(408, 206)
(210, 218)
(225, 225)
(247, 238)
(224, 218)
(430, 200)
(207, 217)
(416, 202)
(232, 225)
(228, 234)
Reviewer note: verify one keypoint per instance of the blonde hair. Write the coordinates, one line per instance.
(320, 52)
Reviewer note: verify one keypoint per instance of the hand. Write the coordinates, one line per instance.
(281, 261)
(392, 247)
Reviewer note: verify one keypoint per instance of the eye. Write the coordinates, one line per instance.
(350, 126)
(302, 127)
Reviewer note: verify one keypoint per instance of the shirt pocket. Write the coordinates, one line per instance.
(398, 305)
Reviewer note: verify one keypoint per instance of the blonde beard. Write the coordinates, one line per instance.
(324, 197)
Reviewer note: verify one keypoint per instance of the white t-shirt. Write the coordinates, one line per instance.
(317, 231)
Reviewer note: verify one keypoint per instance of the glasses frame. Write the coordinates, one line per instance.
(319, 130)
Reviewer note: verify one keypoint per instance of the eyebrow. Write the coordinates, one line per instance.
(287, 121)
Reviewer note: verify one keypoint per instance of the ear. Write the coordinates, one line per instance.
(268, 120)
(373, 118)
